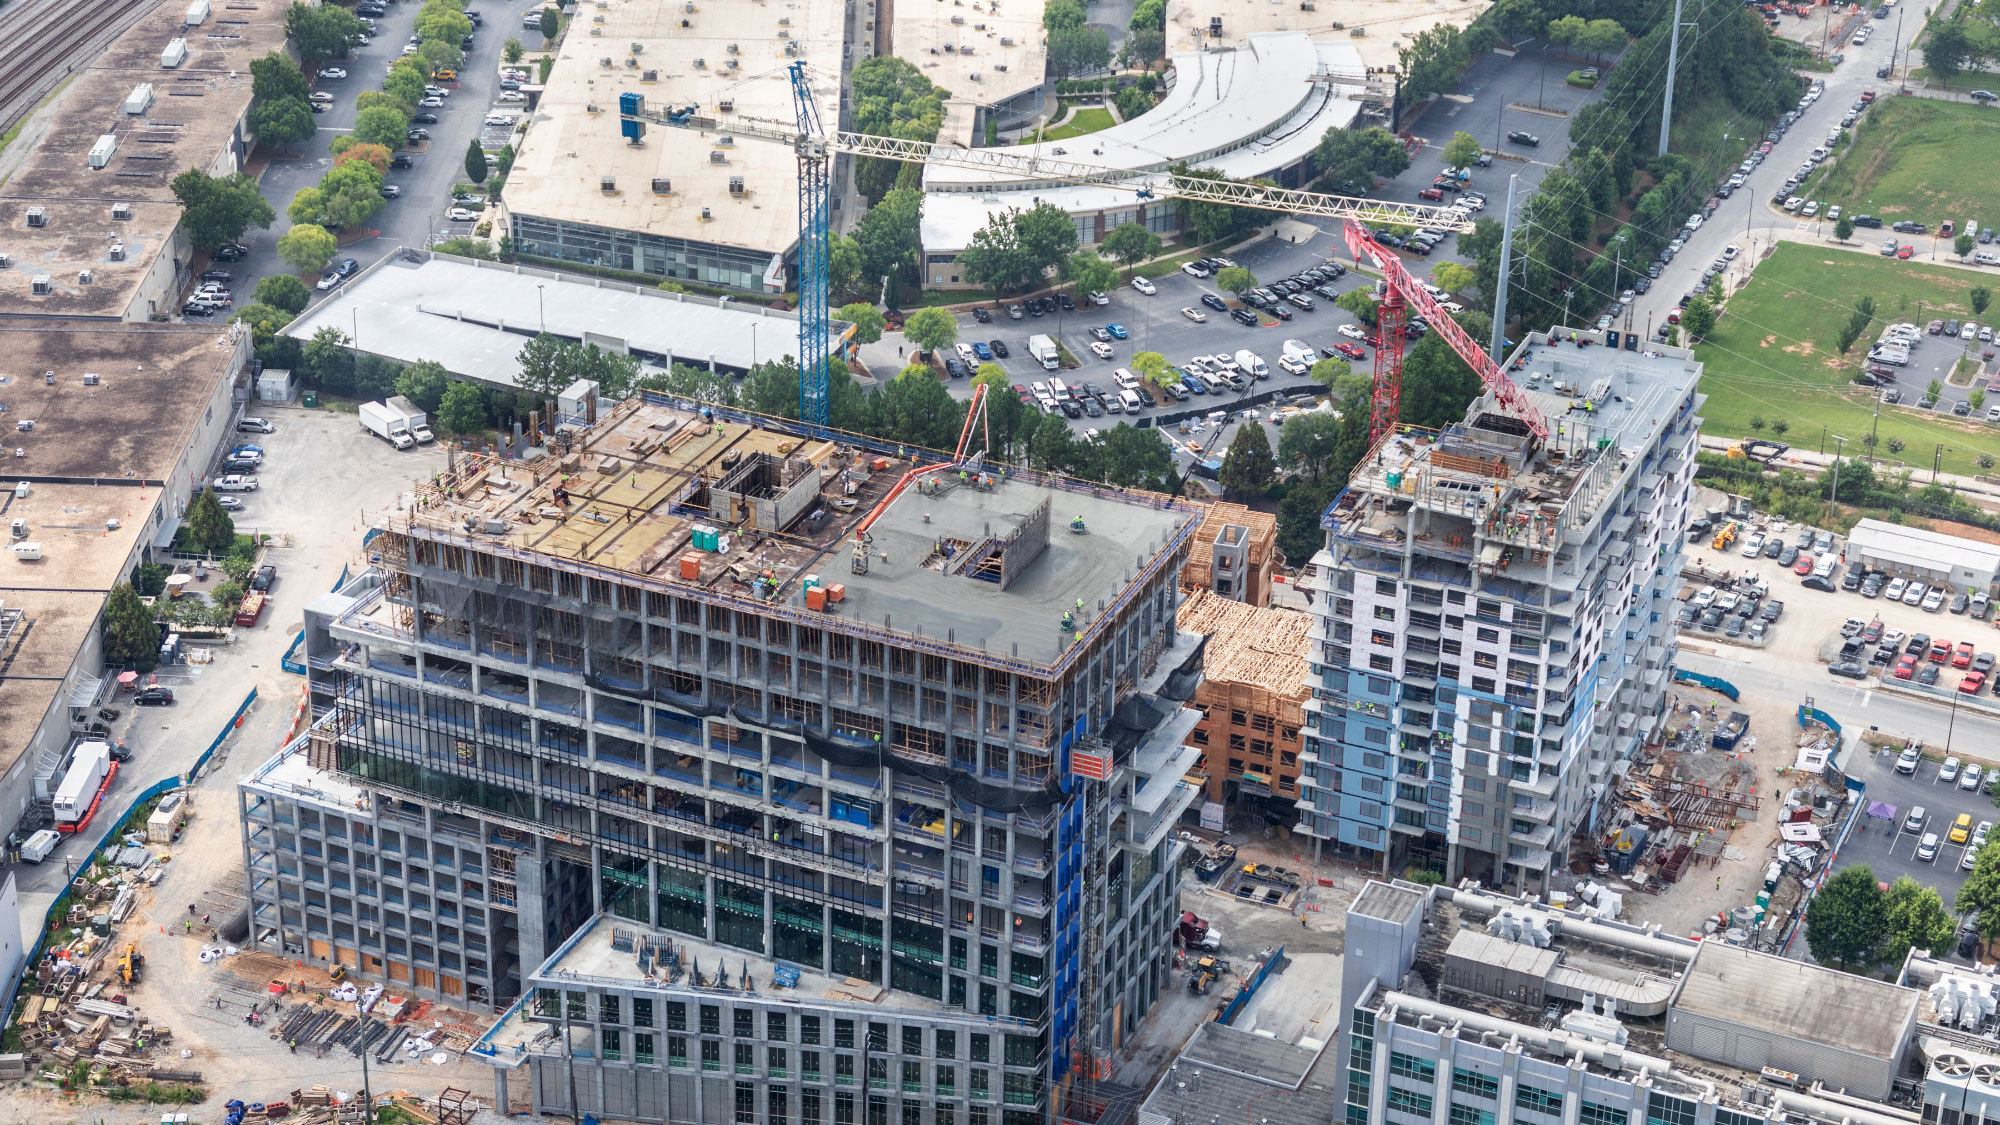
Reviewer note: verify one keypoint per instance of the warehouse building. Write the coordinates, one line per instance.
(602, 737)
(1494, 630)
(1931, 557)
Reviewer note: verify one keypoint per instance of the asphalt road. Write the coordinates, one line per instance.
(419, 215)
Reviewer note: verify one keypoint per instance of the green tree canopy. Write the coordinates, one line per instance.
(1846, 920)
(442, 21)
(1151, 368)
(218, 209)
(1135, 458)
(276, 76)
(1130, 243)
(307, 247)
(1462, 149)
(382, 125)
(209, 528)
(1308, 442)
(866, 318)
(888, 237)
(424, 383)
(1567, 29)
(1600, 37)
(1078, 50)
(1963, 243)
(1235, 279)
(1062, 15)
(892, 98)
(1915, 918)
(1352, 159)
(1016, 248)
(551, 23)
(131, 636)
(1088, 273)
(281, 121)
(1948, 50)
(321, 32)
(308, 205)
(1433, 61)
(1843, 228)
(931, 329)
(1698, 318)
(352, 193)
(283, 291)
(1247, 468)
(475, 161)
(511, 50)
(461, 410)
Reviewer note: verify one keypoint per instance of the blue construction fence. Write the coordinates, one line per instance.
(1249, 989)
(60, 906)
(1712, 683)
(1807, 714)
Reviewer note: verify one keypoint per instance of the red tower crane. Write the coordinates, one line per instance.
(1391, 317)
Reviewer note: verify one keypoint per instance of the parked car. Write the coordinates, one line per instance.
(154, 696)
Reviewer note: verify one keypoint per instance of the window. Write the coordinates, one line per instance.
(1537, 1099)
(1466, 1115)
(677, 1016)
(776, 1057)
(809, 1029)
(1386, 587)
(677, 1050)
(913, 1040)
(1664, 1110)
(1385, 613)
(711, 1055)
(947, 1044)
(642, 1049)
(1361, 1054)
(1419, 1104)
(642, 1011)
(611, 1042)
(1731, 1117)
(774, 1027)
(1382, 637)
(1382, 663)
(607, 1008)
(1410, 1066)
(1474, 1083)
(1594, 1114)
(711, 1020)
(745, 1022)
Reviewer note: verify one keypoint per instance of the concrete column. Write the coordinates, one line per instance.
(499, 1090)
(708, 908)
(531, 907)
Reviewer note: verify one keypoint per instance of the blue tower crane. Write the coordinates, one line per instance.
(814, 202)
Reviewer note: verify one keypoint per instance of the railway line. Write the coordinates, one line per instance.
(49, 39)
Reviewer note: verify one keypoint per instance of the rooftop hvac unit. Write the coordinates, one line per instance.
(6, 262)
(733, 49)
(791, 51)
(91, 379)
(117, 251)
(595, 20)
(725, 140)
(663, 186)
(649, 76)
(957, 19)
(605, 62)
(784, 33)
(590, 107)
(736, 185)
(701, 64)
(85, 277)
(197, 13)
(102, 151)
(1000, 66)
(638, 48)
(38, 217)
(965, 48)
(784, 21)
(705, 216)
(715, 157)
(175, 54)
(979, 27)
(975, 76)
(595, 31)
(607, 184)
(631, 64)
(1006, 41)
(139, 100)
(733, 64)
(688, 7)
(726, 105)
(685, 25)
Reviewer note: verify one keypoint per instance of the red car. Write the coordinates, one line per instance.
(1765, 148)
(1972, 682)
(1963, 657)
(1867, 95)
(1906, 251)
(1906, 666)
(1431, 193)
(1940, 651)
(1024, 394)
(1351, 351)
(1804, 565)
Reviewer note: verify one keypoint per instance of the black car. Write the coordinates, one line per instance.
(1711, 620)
(1522, 137)
(1773, 609)
(1928, 675)
(349, 267)
(999, 349)
(1033, 306)
(153, 697)
(401, 160)
(1279, 311)
(234, 251)
(982, 316)
(1213, 301)
(234, 467)
(1067, 302)
(1244, 317)
(197, 310)
(1849, 669)
(424, 119)
(265, 577)
(1815, 582)
(415, 135)
(215, 275)
(1093, 408)
(956, 368)
(1869, 221)
(1070, 409)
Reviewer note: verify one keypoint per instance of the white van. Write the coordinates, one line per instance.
(1059, 390)
(1125, 379)
(1130, 399)
(1826, 565)
(1252, 364)
(1301, 351)
(1217, 383)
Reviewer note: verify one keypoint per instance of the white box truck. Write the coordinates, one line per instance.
(79, 785)
(39, 845)
(1044, 350)
(386, 424)
(416, 421)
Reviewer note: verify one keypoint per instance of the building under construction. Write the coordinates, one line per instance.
(1235, 553)
(1252, 692)
(731, 762)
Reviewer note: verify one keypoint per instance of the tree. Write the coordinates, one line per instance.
(1078, 50)
(1360, 302)
(1976, 399)
(1130, 243)
(404, 88)
(308, 205)
(1235, 279)
(382, 125)
(544, 66)
(931, 329)
(1757, 423)
(276, 76)
(1933, 389)
(374, 156)
(888, 236)
(351, 193)
(512, 50)
(1308, 443)
(1437, 384)
(1698, 318)
(1132, 101)
(283, 291)
(1135, 458)
(307, 248)
(1062, 15)
(1016, 248)
(1144, 46)
(893, 98)
(1453, 277)
(1984, 460)
(282, 121)
(1843, 228)
(131, 636)
(1916, 919)
(1247, 468)
(218, 209)
(550, 25)
(327, 360)
(1964, 243)
(1980, 296)
(1151, 367)
(1352, 159)
(424, 383)
(1844, 923)
(475, 248)
(475, 161)
(1567, 30)
(1088, 273)
(209, 527)
(321, 32)
(1331, 372)
(1462, 150)
(1948, 50)
(843, 256)
(1600, 37)
(461, 410)
(1432, 62)
(443, 21)
(867, 321)
(1216, 222)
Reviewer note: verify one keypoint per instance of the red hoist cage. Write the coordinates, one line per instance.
(1392, 317)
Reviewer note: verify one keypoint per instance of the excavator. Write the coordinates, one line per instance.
(131, 964)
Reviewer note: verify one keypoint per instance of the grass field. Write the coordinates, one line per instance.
(1080, 122)
(1713, 136)
(1915, 158)
(1773, 354)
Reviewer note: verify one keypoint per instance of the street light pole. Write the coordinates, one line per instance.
(1834, 492)
(540, 313)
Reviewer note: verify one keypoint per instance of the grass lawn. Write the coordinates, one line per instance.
(1080, 122)
(1916, 158)
(1773, 354)
(1713, 136)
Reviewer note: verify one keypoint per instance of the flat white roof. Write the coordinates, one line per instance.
(1379, 31)
(1241, 111)
(1923, 549)
(474, 317)
(983, 51)
(741, 46)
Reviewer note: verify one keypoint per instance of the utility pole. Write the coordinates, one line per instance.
(1893, 45)
(1506, 270)
(1835, 491)
(1673, 57)
(367, 1096)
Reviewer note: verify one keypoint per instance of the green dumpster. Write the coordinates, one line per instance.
(309, 400)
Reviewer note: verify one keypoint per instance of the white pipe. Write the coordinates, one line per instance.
(1820, 1091)
(1806, 1103)
(1555, 1042)
(1579, 927)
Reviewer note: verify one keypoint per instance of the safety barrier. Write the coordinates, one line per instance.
(1713, 683)
(1817, 715)
(1249, 990)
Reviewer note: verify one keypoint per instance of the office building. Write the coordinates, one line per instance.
(1495, 634)
(692, 703)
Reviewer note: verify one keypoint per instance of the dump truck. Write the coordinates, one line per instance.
(1730, 732)
(414, 420)
(386, 424)
(250, 608)
(1044, 349)
(1196, 933)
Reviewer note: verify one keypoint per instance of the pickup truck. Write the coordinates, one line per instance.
(235, 483)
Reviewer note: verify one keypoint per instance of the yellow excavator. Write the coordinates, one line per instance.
(131, 964)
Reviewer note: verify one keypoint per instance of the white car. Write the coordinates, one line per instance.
(460, 215)
(1099, 299)
(1730, 252)
(1833, 213)
(229, 503)
(1894, 592)
(511, 96)
(1695, 220)
(1144, 286)
(1352, 332)
(1292, 365)
(437, 91)
(1704, 597)
(1934, 601)
(501, 118)
(235, 484)
(431, 103)
(1916, 593)
(333, 72)
(327, 280)
(1100, 349)
(1753, 546)
(1195, 314)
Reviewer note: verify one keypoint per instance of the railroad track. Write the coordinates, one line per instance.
(65, 34)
